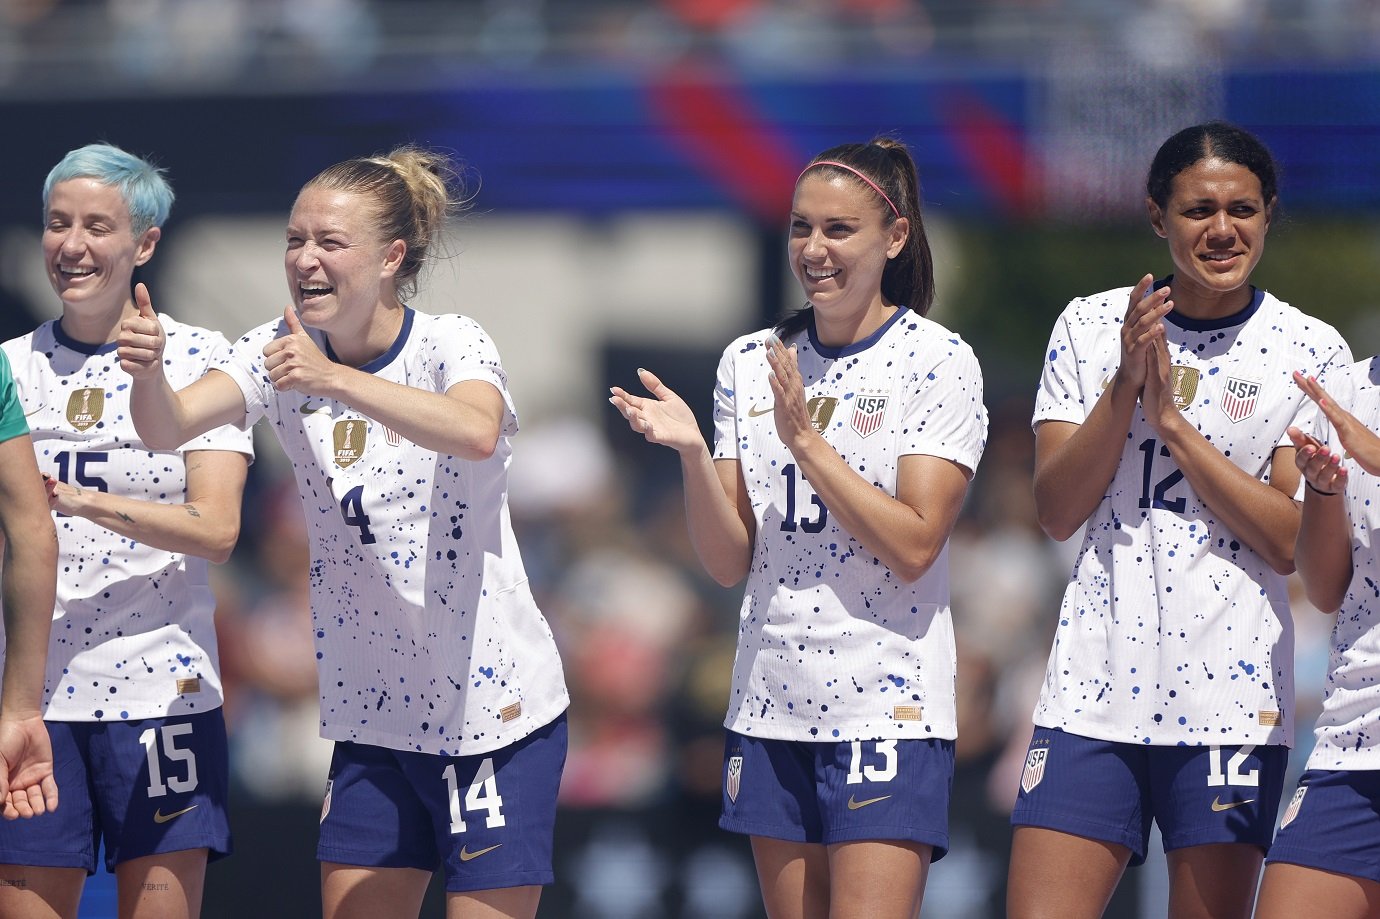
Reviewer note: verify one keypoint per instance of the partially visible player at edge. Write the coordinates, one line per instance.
(133, 695)
(440, 681)
(1160, 426)
(1325, 861)
(27, 581)
(845, 439)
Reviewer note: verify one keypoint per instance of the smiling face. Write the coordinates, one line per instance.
(89, 247)
(1215, 222)
(338, 270)
(839, 246)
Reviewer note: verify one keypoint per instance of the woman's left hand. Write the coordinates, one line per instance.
(1157, 398)
(792, 417)
(295, 362)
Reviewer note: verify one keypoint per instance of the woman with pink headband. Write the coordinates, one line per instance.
(845, 438)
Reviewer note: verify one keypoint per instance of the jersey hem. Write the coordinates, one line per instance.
(528, 726)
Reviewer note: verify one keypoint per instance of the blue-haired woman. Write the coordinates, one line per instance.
(132, 694)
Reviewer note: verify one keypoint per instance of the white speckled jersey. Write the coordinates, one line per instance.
(133, 635)
(831, 645)
(1173, 631)
(1348, 730)
(427, 634)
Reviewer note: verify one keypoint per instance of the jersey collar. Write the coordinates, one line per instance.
(857, 346)
(386, 358)
(1223, 322)
(80, 347)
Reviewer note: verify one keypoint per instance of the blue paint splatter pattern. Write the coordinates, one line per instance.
(427, 634)
(1348, 730)
(831, 645)
(1172, 630)
(131, 620)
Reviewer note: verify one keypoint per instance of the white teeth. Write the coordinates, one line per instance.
(75, 270)
(819, 274)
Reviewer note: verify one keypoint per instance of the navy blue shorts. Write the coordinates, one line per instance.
(1333, 824)
(488, 818)
(1110, 791)
(839, 792)
(141, 787)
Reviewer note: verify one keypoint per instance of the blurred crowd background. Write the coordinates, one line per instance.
(631, 165)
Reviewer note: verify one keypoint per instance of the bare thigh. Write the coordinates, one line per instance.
(163, 886)
(500, 903)
(1056, 875)
(1214, 881)
(27, 892)
(877, 879)
(794, 877)
(1295, 892)
(355, 892)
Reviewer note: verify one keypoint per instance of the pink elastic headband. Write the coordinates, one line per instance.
(875, 187)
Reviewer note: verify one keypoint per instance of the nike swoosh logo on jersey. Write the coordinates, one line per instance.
(466, 854)
(755, 411)
(306, 410)
(160, 817)
(35, 411)
(1218, 806)
(854, 805)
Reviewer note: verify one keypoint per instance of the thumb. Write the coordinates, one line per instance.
(293, 323)
(143, 302)
(652, 382)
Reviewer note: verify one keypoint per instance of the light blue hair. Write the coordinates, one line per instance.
(147, 194)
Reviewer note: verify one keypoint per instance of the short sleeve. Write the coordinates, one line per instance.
(725, 408)
(245, 365)
(1335, 370)
(1060, 397)
(944, 413)
(218, 356)
(458, 350)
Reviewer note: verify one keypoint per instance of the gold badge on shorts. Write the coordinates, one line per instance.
(349, 436)
(85, 407)
(1184, 383)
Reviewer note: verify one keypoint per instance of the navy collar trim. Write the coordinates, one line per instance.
(1240, 317)
(81, 347)
(856, 347)
(386, 358)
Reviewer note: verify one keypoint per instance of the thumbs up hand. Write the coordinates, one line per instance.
(293, 361)
(141, 339)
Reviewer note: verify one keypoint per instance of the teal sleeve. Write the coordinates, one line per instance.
(12, 422)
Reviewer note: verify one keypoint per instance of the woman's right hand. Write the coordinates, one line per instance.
(1142, 326)
(141, 339)
(1356, 439)
(1319, 466)
(664, 418)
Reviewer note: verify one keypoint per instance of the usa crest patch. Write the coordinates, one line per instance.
(1239, 398)
(733, 779)
(1034, 769)
(1292, 810)
(868, 412)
